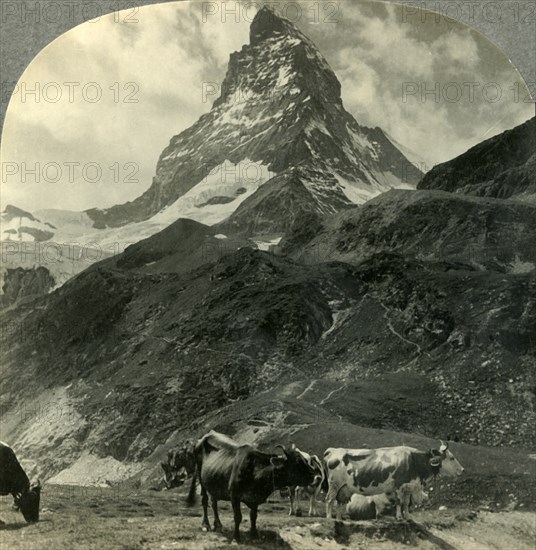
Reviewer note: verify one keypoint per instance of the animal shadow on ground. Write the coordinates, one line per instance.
(266, 540)
(12, 526)
(404, 531)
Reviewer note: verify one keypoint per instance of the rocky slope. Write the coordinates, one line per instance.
(503, 166)
(129, 357)
(181, 247)
(26, 284)
(483, 233)
(280, 107)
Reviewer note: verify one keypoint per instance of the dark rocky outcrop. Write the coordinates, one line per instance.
(20, 283)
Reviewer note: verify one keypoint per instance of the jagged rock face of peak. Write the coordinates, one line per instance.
(279, 62)
(266, 24)
(280, 107)
(26, 284)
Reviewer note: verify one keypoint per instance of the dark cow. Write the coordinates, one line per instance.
(312, 490)
(241, 473)
(180, 464)
(387, 470)
(14, 481)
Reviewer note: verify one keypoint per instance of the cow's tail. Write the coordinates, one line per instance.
(190, 499)
(325, 480)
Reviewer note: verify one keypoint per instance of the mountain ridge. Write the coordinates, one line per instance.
(503, 166)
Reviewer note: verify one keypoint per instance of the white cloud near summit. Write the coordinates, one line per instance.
(162, 62)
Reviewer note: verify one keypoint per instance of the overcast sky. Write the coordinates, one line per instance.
(150, 75)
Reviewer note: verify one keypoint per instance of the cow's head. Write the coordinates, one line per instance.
(297, 466)
(28, 503)
(446, 461)
(180, 463)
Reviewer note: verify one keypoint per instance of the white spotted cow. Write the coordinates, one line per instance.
(386, 470)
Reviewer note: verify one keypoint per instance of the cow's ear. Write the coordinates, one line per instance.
(278, 461)
(164, 466)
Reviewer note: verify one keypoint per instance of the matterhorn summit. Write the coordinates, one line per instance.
(276, 143)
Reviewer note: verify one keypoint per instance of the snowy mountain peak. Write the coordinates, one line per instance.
(279, 63)
(280, 107)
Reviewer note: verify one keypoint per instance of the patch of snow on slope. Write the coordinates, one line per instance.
(223, 181)
(265, 245)
(353, 192)
(90, 470)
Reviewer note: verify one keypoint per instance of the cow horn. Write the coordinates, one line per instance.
(443, 446)
(38, 485)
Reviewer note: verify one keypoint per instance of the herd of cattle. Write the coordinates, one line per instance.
(367, 482)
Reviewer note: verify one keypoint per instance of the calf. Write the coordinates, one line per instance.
(15, 482)
(241, 473)
(363, 507)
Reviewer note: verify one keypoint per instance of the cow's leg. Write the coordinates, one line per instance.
(204, 502)
(291, 499)
(405, 506)
(330, 499)
(297, 498)
(237, 517)
(253, 520)
(312, 503)
(340, 506)
(217, 522)
(398, 508)
(329, 504)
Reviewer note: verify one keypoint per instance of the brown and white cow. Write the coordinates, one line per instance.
(241, 473)
(312, 490)
(386, 470)
(15, 482)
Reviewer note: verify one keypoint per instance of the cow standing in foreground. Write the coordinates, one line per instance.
(14, 481)
(242, 473)
(386, 470)
(313, 489)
